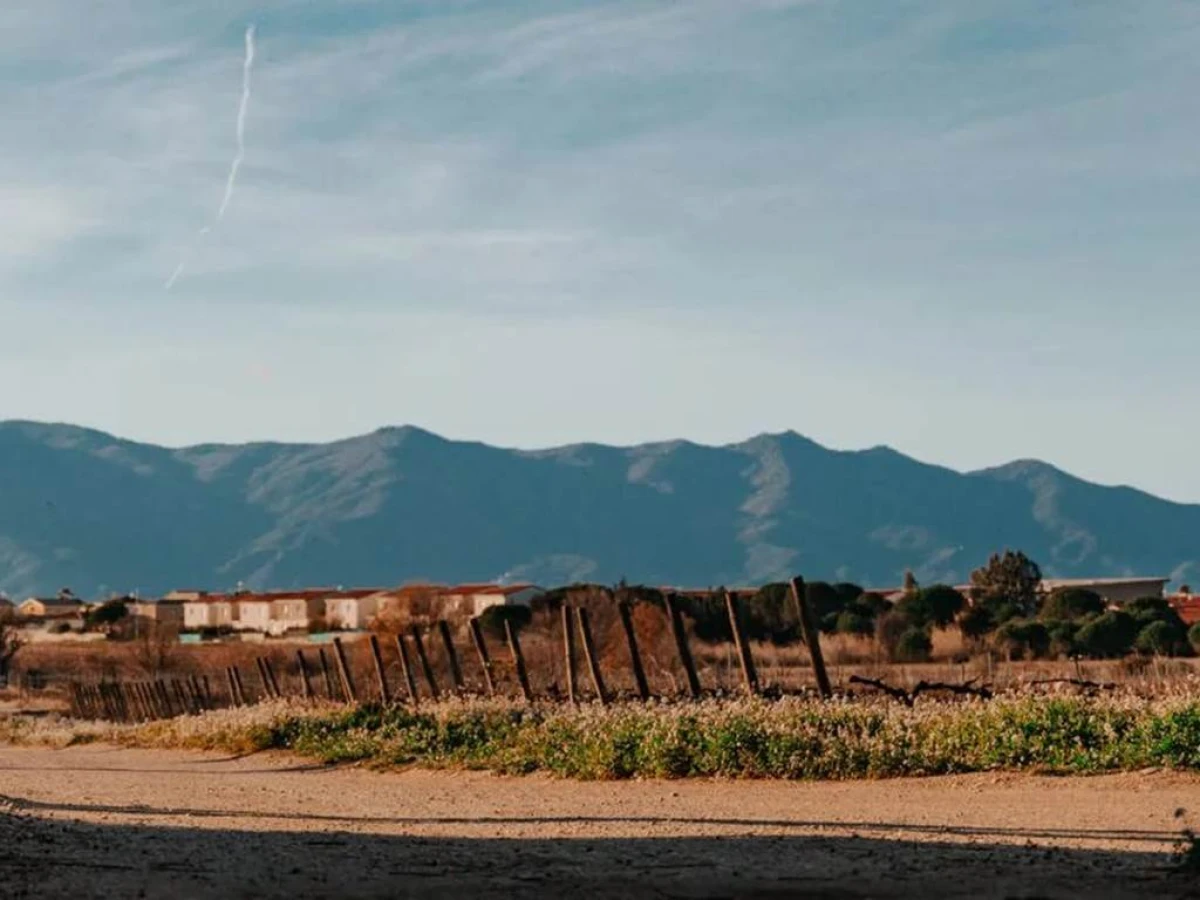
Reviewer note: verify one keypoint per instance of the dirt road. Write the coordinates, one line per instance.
(99, 821)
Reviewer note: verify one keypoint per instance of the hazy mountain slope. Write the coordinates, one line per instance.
(84, 509)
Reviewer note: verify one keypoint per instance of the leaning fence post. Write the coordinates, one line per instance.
(264, 677)
(410, 683)
(269, 669)
(330, 690)
(339, 653)
(812, 636)
(635, 657)
(241, 687)
(185, 708)
(234, 699)
(143, 697)
(514, 646)
(164, 696)
(681, 646)
(385, 694)
(484, 660)
(305, 675)
(201, 701)
(423, 659)
(589, 651)
(749, 673)
(451, 655)
(568, 628)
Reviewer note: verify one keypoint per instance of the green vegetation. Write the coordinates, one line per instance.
(794, 738)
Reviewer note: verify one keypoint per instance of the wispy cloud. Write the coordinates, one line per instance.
(238, 158)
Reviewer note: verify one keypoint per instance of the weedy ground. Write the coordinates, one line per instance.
(792, 738)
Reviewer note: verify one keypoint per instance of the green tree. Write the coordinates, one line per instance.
(107, 614)
(1071, 603)
(1011, 578)
(1193, 637)
(1159, 638)
(855, 623)
(976, 623)
(1023, 638)
(1062, 634)
(937, 604)
(1108, 635)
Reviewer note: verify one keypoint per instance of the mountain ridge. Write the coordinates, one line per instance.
(82, 507)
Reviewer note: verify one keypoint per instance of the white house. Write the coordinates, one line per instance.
(354, 610)
(209, 611)
(475, 598)
(253, 613)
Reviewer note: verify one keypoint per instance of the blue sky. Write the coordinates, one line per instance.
(967, 230)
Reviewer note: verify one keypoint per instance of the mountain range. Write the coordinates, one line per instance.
(89, 511)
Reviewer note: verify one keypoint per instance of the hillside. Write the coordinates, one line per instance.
(85, 509)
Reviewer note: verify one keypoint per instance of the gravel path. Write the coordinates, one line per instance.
(100, 821)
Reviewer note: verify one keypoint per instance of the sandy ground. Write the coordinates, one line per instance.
(106, 822)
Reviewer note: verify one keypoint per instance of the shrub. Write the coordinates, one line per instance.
(1021, 638)
(914, 645)
(1108, 635)
(976, 622)
(940, 604)
(1159, 638)
(1062, 637)
(108, 613)
(1193, 636)
(888, 630)
(855, 623)
(1071, 603)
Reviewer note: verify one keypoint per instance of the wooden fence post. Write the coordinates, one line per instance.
(164, 696)
(385, 694)
(568, 628)
(185, 708)
(201, 701)
(681, 646)
(514, 646)
(129, 701)
(812, 635)
(234, 698)
(241, 687)
(270, 670)
(451, 655)
(484, 660)
(635, 657)
(264, 678)
(207, 690)
(410, 683)
(423, 659)
(305, 675)
(749, 673)
(106, 701)
(330, 690)
(589, 651)
(339, 654)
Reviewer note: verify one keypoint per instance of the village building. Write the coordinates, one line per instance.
(63, 606)
(209, 611)
(1114, 591)
(164, 612)
(354, 610)
(473, 599)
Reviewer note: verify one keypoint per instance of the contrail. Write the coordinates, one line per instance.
(238, 157)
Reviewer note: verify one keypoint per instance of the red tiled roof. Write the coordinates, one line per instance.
(1187, 605)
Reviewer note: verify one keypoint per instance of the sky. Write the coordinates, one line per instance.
(964, 230)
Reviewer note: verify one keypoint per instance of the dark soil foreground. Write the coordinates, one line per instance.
(103, 822)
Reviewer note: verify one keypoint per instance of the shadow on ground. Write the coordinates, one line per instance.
(59, 858)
